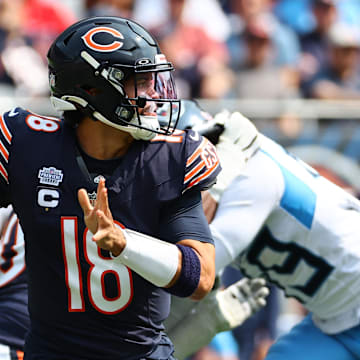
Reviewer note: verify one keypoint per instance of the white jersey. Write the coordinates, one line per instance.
(298, 230)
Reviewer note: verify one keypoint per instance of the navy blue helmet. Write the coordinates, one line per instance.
(111, 69)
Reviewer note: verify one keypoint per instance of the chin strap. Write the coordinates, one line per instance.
(149, 122)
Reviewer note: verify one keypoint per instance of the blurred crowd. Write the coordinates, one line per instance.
(221, 49)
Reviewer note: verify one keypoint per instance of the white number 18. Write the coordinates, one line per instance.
(99, 268)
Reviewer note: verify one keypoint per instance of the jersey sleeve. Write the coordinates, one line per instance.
(202, 162)
(184, 218)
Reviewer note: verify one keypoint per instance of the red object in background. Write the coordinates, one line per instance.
(333, 177)
(47, 16)
(43, 21)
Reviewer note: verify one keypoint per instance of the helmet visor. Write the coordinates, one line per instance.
(155, 85)
(154, 90)
(165, 85)
(149, 88)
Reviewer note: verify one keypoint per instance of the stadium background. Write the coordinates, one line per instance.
(290, 66)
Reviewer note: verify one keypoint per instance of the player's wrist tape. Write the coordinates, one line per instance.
(153, 259)
(189, 278)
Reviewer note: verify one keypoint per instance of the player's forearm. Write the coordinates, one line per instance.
(186, 269)
(206, 255)
(155, 260)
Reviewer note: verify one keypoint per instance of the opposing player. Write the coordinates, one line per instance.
(280, 220)
(14, 317)
(99, 288)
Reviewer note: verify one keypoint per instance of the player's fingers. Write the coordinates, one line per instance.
(84, 201)
(257, 283)
(106, 207)
(102, 199)
(258, 288)
(258, 300)
(103, 226)
(261, 302)
(102, 204)
(100, 235)
(262, 293)
(240, 290)
(242, 282)
(257, 304)
(244, 287)
(100, 188)
(103, 220)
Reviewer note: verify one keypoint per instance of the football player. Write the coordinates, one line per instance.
(14, 317)
(281, 220)
(109, 202)
(231, 306)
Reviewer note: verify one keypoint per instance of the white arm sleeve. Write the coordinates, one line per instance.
(153, 259)
(244, 208)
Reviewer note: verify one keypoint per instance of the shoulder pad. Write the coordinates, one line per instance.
(202, 162)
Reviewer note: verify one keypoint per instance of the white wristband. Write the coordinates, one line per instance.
(153, 259)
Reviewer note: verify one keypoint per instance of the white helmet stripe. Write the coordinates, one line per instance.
(104, 73)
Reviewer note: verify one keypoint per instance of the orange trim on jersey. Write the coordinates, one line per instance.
(20, 355)
(194, 171)
(3, 172)
(5, 131)
(205, 175)
(197, 152)
(4, 151)
(177, 132)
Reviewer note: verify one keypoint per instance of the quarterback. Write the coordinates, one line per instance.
(109, 202)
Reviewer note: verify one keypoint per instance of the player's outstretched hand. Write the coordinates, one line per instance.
(241, 300)
(237, 144)
(99, 220)
(238, 129)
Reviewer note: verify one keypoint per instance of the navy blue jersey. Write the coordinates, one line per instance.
(14, 317)
(82, 303)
